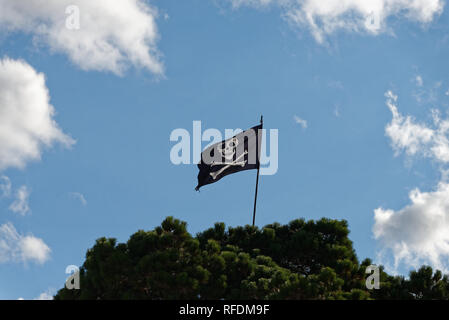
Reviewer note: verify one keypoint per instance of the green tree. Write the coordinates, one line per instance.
(300, 260)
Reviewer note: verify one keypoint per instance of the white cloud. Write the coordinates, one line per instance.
(418, 233)
(15, 247)
(47, 295)
(404, 133)
(79, 196)
(255, 3)
(324, 17)
(21, 195)
(112, 34)
(419, 81)
(415, 138)
(20, 204)
(44, 296)
(301, 122)
(5, 186)
(26, 115)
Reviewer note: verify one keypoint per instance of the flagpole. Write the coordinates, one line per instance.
(258, 169)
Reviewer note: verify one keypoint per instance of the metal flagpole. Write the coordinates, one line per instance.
(258, 169)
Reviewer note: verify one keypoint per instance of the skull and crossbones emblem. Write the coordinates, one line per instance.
(228, 152)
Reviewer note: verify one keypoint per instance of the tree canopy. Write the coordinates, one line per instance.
(299, 260)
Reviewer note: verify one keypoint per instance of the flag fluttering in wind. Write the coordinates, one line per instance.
(239, 153)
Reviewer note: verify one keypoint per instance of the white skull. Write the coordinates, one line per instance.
(230, 148)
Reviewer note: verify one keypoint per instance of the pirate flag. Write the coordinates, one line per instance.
(241, 152)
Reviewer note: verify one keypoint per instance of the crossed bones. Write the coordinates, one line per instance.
(236, 162)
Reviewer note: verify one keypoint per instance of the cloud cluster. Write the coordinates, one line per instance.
(419, 81)
(21, 195)
(5, 187)
(15, 247)
(79, 196)
(98, 35)
(20, 204)
(47, 295)
(301, 122)
(26, 115)
(414, 138)
(418, 233)
(324, 17)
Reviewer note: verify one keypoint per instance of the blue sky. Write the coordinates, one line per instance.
(106, 170)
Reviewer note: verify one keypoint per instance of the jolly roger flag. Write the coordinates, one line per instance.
(239, 153)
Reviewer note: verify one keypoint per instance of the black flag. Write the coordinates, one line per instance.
(241, 152)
